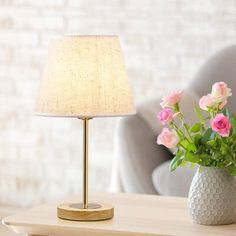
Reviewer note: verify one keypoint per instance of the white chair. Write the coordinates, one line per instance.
(141, 166)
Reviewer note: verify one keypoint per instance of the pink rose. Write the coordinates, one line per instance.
(165, 116)
(171, 99)
(221, 125)
(220, 92)
(206, 102)
(168, 138)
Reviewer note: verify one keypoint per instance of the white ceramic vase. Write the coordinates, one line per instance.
(212, 197)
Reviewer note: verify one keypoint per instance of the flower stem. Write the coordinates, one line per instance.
(180, 131)
(185, 126)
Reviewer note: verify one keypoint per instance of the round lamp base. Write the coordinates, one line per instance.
(75, 211)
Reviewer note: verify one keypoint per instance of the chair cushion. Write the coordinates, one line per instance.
(138, 155)
(174, 183)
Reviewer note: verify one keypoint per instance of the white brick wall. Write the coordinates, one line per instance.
(164, 42)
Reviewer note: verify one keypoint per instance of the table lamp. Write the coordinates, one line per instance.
(85, 77)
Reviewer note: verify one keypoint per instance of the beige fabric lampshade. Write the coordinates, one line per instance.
(85, 76)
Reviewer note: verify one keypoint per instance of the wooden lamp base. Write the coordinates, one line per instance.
(94, 212)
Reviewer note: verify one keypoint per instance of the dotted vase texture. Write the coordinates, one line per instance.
(212, 197)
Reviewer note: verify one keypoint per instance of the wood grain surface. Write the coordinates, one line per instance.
(134, 215)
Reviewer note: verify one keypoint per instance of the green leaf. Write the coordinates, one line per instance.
(201, 159)
(191, 157)
(233, 121)
(207, 135)
(213, 135)
(205, 156)
(232, 170)
(196, 128)
(226, 112)
(191, 147)
(185, 143)
(176, 108)
(176, 161)
(211, 142)
(224, 148)
(199, 113)
(197, 139)
(217, 155)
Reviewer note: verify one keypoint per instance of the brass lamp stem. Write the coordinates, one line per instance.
(85, 164)
(85, 211)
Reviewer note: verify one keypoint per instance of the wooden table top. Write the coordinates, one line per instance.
(135, 215)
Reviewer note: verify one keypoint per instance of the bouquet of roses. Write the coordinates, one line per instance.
(209, 142)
